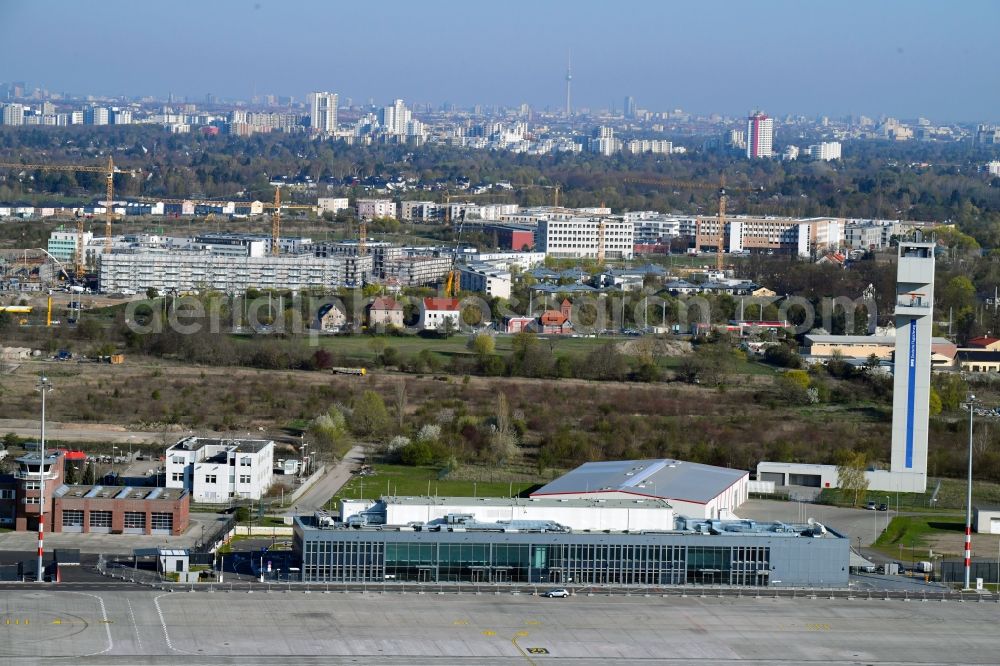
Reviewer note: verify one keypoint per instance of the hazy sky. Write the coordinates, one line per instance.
(903, 57)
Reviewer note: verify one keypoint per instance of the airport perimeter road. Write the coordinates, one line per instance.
(853, 523)
(95, 627)
(325, 488)
(80, 432)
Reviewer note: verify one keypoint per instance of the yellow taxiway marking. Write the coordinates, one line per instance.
(57, 621)
(489, 632)
(460, 622)
(532, 622)
(521, 633)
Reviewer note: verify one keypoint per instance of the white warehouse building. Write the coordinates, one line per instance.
(692, 489)
(217, 470)
(632, 514)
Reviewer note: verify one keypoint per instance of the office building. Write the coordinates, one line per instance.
(579, 238)
(218, 470)
(322, 112)
(760, 136)
(774, 235)
(629, 107)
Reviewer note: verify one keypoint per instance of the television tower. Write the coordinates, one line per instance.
(569, 80)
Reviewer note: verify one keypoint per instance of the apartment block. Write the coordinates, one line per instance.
(578, 238)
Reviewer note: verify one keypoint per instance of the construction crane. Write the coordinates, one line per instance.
(555, 190)
(276, 222)
(109, 172)
(452, 284)
(697, 185)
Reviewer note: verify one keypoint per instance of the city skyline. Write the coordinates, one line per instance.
(876, 61)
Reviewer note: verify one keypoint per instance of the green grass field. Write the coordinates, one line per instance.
(907, 535)
(404, 480)
(949, 498)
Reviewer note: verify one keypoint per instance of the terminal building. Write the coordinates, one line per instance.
(616, 533)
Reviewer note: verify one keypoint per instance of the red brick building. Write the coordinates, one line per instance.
(78, 508)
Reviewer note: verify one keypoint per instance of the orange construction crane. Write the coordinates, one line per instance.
(698, 185)
(109, 172)
(276, 222)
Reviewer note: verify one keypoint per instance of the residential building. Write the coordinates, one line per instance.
(494, 282)
(993, 168)
(385, 312)
(421, 211)
(984, 342)
(120, 116)
(556, 322)
(760, 136)
(604, 142)
(579, 237)
(394, 119)
(95, 115)
(188, 271)
(218, 470)
(655, 146)
(381, 253)
(64, 244)
(417, 270)
(332, 205)
(12, 114)
(330, 318)
(826, 151)
(322, 112)
(368, 209)
(434, 311)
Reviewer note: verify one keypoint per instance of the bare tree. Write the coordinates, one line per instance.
(982, 439)
(400, 403)
(851, 475)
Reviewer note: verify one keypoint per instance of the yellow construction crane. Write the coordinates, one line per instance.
(697, 185)
(109, 172)
(276, 222)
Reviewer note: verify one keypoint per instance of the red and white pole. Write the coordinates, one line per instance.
(43, 387)
(971, 402)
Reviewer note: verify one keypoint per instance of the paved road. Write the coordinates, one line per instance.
(325, 488)
(853, 523)
(109, 627)
(82, 432)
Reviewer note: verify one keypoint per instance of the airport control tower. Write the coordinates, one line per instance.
(912, 372)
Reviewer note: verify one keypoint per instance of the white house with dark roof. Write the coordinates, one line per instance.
(692, 489)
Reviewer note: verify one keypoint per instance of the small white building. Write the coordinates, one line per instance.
(217, 470)
(435, 310)
(987, 519)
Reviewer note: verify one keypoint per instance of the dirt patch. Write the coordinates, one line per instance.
(655, 347)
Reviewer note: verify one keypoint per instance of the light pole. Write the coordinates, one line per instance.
(971, 403)
(113, 449)
(43, 388)
(888, 503)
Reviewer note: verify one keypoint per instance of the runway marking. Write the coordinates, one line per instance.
(104, 619)
(538, 650)
(138, 639)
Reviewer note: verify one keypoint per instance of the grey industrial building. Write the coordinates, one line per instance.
(626, 522)
(698, 552)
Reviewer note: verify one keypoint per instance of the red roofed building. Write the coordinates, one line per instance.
(557, 322)
(434, 311)
(984, 342)
(385, 311)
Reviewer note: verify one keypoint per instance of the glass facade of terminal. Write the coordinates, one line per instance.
(369, 555)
